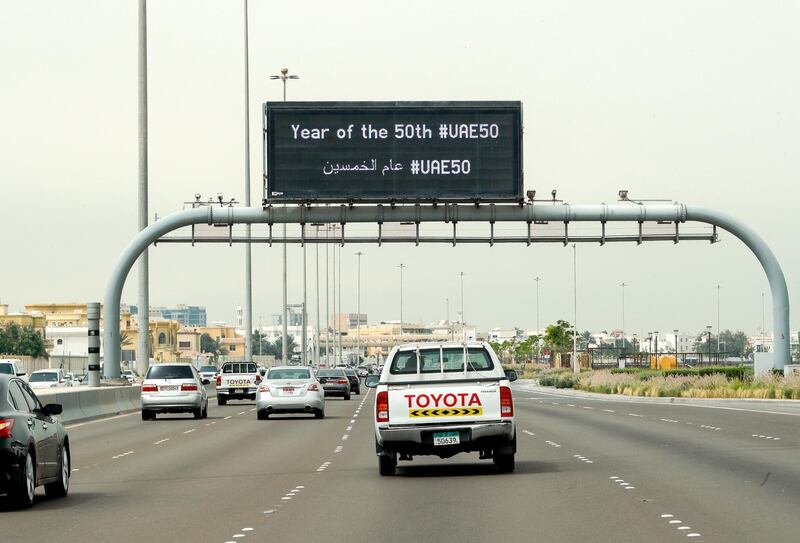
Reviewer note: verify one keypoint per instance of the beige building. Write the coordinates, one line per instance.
(37, 322)
(226, 336)
(61, 314)
(163, 337)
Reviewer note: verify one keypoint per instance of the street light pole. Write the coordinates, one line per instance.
(284, 335)
(327, 302)
(575, 366)
(719, 332)
(316, 265)
(623, 285)
(341, 361)
(708, 329)
(676, 347)
(143, 347)
(358, 312)
(401, 266)
(463, 319)
(248, 252)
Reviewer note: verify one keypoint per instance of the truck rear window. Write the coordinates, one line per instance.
(239, 367)
(452, 360)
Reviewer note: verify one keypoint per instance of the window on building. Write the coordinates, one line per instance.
(233, 347)
(185, 344)
(162, 338)
(59, 342)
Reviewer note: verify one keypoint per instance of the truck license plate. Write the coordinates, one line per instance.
(446, 438)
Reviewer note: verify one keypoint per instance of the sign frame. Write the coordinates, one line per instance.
(269, 144)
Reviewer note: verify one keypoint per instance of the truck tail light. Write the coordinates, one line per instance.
(506, 402)
(219, 380)
(188, 387)
(149, 387)
(382, 407)
(342, 381)
(6, 425)
(313, 387)
(258, 379)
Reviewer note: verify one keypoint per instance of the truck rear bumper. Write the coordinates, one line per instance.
(419, 439)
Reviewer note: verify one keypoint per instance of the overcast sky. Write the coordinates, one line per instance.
(695, 101)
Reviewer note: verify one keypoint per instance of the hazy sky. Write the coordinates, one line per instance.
(695, 101)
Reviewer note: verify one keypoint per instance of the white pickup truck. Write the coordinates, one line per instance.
(12, 366)
(237, 381)
(443, 399)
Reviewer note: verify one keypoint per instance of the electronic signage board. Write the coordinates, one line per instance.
(393, 151)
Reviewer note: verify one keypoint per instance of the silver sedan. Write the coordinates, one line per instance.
(290, 389)
(174, 388)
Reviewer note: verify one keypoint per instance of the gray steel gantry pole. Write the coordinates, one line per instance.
(626, 212)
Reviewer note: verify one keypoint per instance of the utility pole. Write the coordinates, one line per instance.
(718, 330)
(316, 265)
(248, 254)
(463, 319)
(575, 366)
(327, 302)
(304, 331)
(341, 350)
(336, 316)
(284, 335)
(358, 311)
(143, 348)
(623, 285)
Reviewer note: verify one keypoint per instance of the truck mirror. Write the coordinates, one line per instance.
(511, 375)
(372, 381)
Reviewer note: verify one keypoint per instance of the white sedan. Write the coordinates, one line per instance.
(290, 389)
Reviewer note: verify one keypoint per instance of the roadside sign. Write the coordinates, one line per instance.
(385, 151)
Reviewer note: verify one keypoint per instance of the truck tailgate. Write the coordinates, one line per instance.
(444, 403)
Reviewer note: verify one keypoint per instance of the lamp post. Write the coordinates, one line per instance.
(676, 347)
(285, 351)
(623, 285)
(401, 266)
(538, 325)
(358, 312)
(708, 331)
(576, 367)
(463, 320)
(718, 287)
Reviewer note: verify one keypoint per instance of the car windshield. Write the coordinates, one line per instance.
(44, 377)
(209, 368)
(170, 372)
(6, 368)
(330, 373)
(239, 367)
(288, 374)
(452, 361)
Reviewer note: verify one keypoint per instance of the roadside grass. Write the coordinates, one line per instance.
(684, 383)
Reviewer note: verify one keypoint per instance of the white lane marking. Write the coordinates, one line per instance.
(246, 529)
(675, 521)
(344, 437)
(299, 487)
(613, 477)
(630, 488)
(667, 515)
(238, 535)
(669, 420)
(553, 444)
(269, 511)
(570, 405)
(76, 469)
(352, 421)
(121, 455)
(338, 449)
(634, 415)
(693, 535)
(609, 410)
(242, 412)
(286, 498)
(528, 432)
(348, 428)
(226, 418)
(252, 409)
(190, 431)
(115, 417)
(587, 407)
(160, 441)
(684, 527)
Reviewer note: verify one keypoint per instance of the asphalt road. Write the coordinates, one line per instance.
(589, 469)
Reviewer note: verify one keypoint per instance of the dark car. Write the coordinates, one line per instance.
(34, 447)
(335, 382)
(355, 381)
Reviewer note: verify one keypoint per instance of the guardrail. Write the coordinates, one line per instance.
(83, 403)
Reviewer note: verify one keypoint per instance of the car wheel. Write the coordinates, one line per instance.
(221, 400)
(148, 415)
(198, 413)
(21, 491)
(262, 415)
(347, 395)
(60, 488)
(504, 462)
(387, 464)
(319, 414)
(205, 411)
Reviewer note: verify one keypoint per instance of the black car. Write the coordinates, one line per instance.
(355, 380)
(34, 446)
